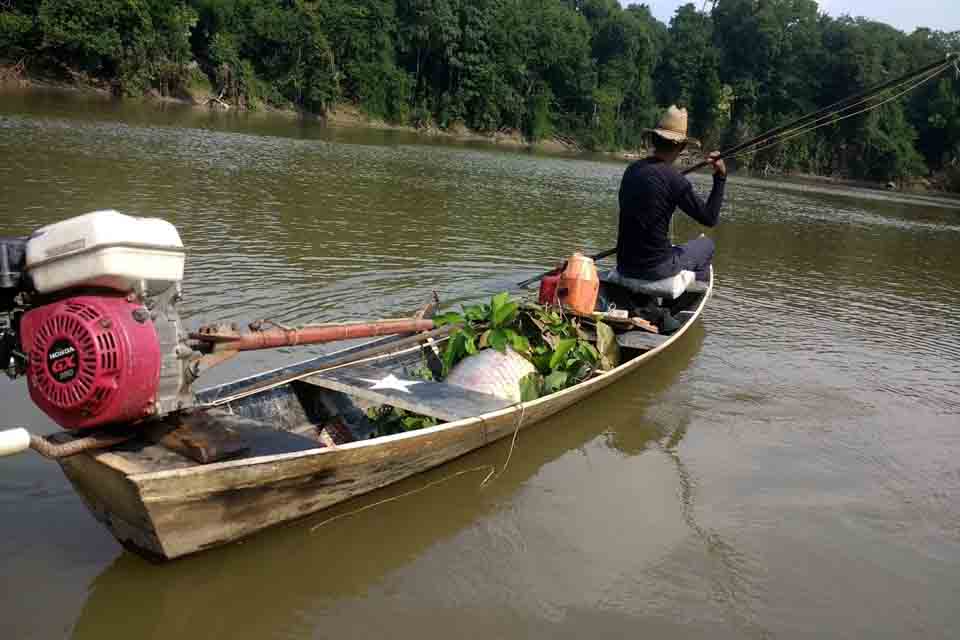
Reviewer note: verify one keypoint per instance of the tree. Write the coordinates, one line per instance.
(689, 71)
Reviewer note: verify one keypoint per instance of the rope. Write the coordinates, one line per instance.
(340, 516)
(513, 444)
(492, 474)
(54, 451)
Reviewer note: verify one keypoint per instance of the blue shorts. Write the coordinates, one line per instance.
(695, 256)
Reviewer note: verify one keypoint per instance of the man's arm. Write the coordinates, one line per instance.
(690, 203)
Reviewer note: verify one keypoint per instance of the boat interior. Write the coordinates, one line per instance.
(309, 405)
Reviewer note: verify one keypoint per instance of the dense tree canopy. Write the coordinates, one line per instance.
(588, 69)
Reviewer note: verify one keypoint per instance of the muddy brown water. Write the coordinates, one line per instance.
(790, 469)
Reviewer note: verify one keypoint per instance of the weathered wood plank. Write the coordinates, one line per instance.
(435, 399)
(114, 500)
(196, 511)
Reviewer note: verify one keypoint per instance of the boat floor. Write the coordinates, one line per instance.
(318, 411)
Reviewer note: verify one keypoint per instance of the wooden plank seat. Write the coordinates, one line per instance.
(435, 399)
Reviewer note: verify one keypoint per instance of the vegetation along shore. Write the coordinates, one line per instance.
(583, 74)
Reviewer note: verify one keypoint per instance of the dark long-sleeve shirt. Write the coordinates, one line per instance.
(649, 193)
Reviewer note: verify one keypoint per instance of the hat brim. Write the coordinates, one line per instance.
(675, 136)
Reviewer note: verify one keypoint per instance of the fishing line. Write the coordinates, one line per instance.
(487, 467)
(839, 115)
(833, 116)
(831, 112)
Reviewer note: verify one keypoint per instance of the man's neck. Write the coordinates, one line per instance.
(666, 157)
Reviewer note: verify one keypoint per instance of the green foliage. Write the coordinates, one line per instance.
(544, 336)
(263, 51)
(484, 325)
(16, 32)
(795, 60)
(531, 387)
(503, 311)
(540, 122)
(388, 420)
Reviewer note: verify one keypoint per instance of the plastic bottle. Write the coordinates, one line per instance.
(579, 284)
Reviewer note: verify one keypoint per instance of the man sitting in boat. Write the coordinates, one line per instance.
(650, 191)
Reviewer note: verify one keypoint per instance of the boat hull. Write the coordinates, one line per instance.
(171, 513)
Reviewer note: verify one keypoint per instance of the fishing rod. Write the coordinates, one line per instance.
(933, 69)
(797, 126)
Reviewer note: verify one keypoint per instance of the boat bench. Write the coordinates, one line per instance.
(438, 400)
(665, 288)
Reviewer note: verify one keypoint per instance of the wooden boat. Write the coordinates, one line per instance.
(309, 444)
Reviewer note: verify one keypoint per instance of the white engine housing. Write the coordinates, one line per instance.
(106, 249)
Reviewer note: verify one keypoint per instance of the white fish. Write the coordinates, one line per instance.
(490, 371)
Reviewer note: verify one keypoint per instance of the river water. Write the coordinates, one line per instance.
(790, 469)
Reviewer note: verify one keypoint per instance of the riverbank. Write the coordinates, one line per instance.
(348, 115)
(201, 96)
(938, 184)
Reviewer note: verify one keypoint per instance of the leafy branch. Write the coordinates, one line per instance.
(551, 341)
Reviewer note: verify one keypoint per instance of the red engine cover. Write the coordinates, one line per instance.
(90, 361)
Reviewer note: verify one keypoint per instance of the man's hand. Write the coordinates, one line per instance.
(719, 168)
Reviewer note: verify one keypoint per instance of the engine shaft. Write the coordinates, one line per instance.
(226, 339)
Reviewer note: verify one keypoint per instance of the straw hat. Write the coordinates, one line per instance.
(672, 125)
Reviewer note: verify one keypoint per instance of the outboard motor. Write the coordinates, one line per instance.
(88, 314)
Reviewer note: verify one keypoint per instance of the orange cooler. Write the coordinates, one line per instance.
(579, 284)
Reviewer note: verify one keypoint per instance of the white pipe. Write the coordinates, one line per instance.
(14, 441)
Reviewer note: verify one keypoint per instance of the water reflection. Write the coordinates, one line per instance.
(289, 573)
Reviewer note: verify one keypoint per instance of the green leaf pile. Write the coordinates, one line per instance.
(551, 341)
